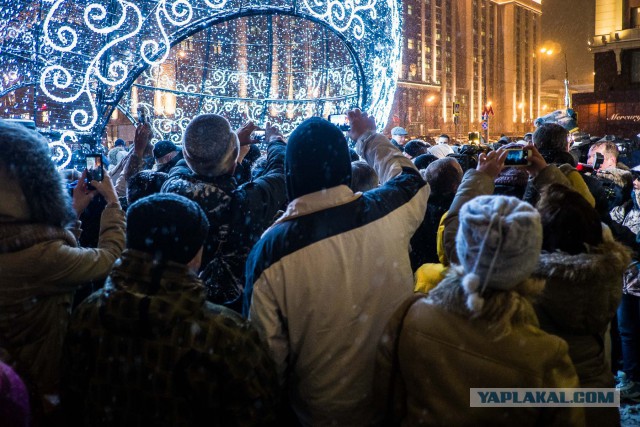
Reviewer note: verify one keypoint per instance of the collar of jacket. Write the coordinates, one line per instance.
(162, 295)
(181, 170)
(318, 201)
(604, 262)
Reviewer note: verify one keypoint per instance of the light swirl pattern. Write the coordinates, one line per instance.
(91, 52)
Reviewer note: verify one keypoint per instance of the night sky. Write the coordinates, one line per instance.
(570, 23)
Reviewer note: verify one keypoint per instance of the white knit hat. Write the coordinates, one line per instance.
(498, 244)
(210, 147)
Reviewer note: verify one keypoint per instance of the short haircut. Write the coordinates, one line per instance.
(144, 183)
(444, 175)
(610, 148)
(550, 137)
(363, 176)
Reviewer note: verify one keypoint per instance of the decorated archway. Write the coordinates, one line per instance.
(69, 64)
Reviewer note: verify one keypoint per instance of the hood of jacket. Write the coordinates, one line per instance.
(583, 290)
(144, 299)
(619, 177)
(31, 189)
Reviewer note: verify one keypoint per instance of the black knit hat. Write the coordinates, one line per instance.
(162, 148)
(317, 158)
(169, 226)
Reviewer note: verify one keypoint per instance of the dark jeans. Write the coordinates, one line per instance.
(629, 327)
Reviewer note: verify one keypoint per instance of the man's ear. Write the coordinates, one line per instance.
(195, 263)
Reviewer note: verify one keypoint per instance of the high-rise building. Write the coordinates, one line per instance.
(479, 53)
(614, 106)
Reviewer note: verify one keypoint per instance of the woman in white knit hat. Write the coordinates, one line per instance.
(477, 328)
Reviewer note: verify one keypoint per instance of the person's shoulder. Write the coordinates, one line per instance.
(225, 323)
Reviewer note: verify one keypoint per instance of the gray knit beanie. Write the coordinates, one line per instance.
(498, 244)
(210, 147)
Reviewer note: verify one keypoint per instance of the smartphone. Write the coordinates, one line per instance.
(95, 171)
(142, 118)
(517, 157)
(259, 135)
(340, 120)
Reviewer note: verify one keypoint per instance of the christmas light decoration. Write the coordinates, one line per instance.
(276, 61)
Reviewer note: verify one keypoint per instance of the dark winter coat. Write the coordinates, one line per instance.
(424, 242)
(238, 215)
(148, 350)
(579, 301)
(41, 264)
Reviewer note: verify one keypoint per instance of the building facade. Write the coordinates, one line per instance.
(613, 107)
(478, 53)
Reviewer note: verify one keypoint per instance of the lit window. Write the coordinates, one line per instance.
(409, 9)
(409, 43)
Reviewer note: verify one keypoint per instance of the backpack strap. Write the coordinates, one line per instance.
(395, 360)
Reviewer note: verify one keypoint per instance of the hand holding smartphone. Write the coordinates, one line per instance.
(518, 157)
(340, 120)
(95, 170)
(259, 135)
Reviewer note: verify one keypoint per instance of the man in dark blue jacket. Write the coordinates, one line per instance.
(238, 214)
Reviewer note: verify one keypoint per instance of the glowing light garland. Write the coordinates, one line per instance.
(60, 152)
(88, 55)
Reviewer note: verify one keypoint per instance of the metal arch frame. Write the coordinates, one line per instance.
(369, 29)
(197, 27)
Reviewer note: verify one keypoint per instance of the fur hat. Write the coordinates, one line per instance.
(169, 226)
(498, 244)
(210, 146)
(31, 189)
(317, 158)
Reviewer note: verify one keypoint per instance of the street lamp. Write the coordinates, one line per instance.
(550, 48)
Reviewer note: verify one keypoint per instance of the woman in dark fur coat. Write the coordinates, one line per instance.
(582, 265)
(41, 263)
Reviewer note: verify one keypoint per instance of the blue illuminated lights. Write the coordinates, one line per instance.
(248, 60)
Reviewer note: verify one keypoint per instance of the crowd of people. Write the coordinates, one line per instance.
(315, 282)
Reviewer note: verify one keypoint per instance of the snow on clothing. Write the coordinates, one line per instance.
(41, 266)
(149, 350)
(325, 279)
(237, 214)
(579, 301)
(443, 351)
(115, 156)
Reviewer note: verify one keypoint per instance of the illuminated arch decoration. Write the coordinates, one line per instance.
(87, 55)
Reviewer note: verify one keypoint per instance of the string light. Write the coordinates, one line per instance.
(83, 58)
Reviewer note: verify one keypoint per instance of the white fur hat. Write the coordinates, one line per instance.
(498, 244)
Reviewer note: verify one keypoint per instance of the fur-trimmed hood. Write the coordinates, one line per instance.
(31, 188)
(620, 177)
(583, 290)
